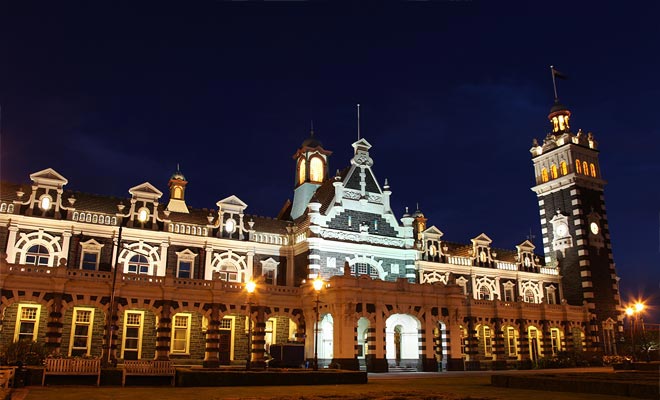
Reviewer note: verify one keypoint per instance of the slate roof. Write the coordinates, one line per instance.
(8, 191)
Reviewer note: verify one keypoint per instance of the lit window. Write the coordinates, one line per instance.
(364, 269)
(181, 333)
(27, 323)
(534, 343)
(488, 341)
(138, 265)
(302, 172)
(544, 175)
(81, 332)
(177, 192)
(316, 169)
(578, 166)
(585, 168)
(89, 260)
(143, 214)
(230, 226)
(45, 202)
(555, 340)
(511, 341)
(553, 171)
(132, 335)
(482, 256)
(592, 167)
(563, 167)
(561, 123)
(37, 255)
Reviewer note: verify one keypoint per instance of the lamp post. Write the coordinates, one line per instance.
(318, 285)
(249, 287)
(632, 312)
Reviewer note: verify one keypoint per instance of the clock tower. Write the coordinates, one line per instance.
(576, 235)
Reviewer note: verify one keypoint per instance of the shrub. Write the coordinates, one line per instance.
(25, 352)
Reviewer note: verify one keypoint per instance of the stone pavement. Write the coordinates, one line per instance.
(413, 386)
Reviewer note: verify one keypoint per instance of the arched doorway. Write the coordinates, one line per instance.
(402, 341)
(325, 351)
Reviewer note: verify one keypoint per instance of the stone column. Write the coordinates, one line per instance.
(54, 326)
(472, 347)
(523, 343)
(164, 332)
(427, 345)
(499, 356)
(379, 342)
(546, 340)
(211, 356)
(258, 338)
(11, 242)
(344, 337)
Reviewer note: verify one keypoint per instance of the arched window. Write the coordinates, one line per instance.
(585, 168)
(544, 175)
(484, 293)
(563, 167)
(228, 272)
(177, 193)
(553, 171)
(302, 171)
(529, 296)
(316, 169)
(138, 265)
(37, 255)
(592, 167)
(578, 166)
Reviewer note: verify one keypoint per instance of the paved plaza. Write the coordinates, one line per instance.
(400, 386)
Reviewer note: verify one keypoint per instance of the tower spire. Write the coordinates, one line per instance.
(556, 74)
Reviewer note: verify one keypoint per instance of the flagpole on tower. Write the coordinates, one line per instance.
(358, 120)
(554, 84)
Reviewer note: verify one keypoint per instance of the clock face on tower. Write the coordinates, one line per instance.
(561, 230)
(594, 228)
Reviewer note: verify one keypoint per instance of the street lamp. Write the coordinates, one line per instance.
(318, 285)
(632, 312)
(250, 286)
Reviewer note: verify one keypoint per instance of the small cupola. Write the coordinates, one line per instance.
(311, 161)
(177, 185)
(559, 116)
(420, 223)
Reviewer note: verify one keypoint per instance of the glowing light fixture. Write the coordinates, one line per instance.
(143, 214)
(250, 286)
(45, 203)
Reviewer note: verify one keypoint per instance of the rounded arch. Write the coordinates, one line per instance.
(544, 175)
(563, 167)
(135, 256)
(28, 241)
(374, 268)
(302, 170)
(535, 339)
(228, 266)
(553, 171)
(486, 288)
(316, 169)
(530, 292)
(402, 336)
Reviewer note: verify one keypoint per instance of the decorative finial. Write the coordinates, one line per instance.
(311, 128)
(418, 206)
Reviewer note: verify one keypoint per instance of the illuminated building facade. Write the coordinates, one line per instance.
(397, 295)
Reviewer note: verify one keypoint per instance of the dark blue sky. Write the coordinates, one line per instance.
(452, 95)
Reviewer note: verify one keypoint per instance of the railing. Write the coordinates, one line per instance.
(506, 266)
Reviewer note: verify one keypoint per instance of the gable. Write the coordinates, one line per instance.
(145, 189)
(48, 177)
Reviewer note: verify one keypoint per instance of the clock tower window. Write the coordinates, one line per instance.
(578, 169)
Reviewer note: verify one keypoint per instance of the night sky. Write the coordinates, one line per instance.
(451, 94)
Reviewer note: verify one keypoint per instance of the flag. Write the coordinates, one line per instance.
(558, 74)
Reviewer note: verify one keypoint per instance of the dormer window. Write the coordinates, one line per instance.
(45, 202)
(143, 214)
(482, 256)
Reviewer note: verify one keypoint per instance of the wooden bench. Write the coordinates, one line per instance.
(148, 368)
(72, 366)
